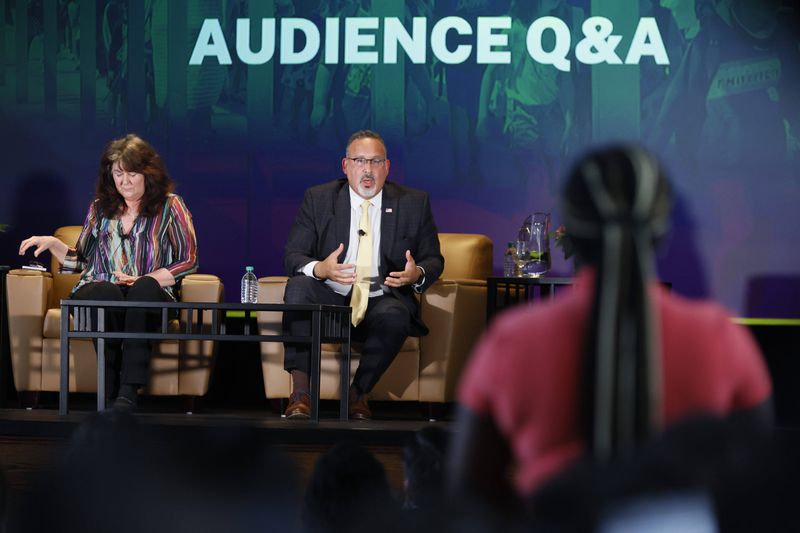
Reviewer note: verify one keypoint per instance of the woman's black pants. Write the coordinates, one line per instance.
(128, 360)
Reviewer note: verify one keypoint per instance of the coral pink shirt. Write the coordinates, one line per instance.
(526, 373)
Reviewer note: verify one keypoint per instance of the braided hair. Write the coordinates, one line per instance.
(616, 205)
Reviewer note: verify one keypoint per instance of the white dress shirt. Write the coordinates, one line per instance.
(351, 253)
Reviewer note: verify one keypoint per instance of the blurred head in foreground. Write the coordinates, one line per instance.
(616, 205)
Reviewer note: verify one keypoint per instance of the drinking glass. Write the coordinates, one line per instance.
(538, 246)
(521, 252)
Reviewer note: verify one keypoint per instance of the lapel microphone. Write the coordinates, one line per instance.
(361, 233)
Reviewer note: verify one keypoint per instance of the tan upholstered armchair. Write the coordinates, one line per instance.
(427, 369)
(34, 317)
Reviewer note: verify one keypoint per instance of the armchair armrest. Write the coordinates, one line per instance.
(201, 288)
(192, 361)
(277, 383)
(270, 289)
(455, 312)
(28, 293)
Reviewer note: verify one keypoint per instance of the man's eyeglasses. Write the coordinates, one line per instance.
(362, 162)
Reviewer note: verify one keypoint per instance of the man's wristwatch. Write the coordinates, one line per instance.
(420, 280)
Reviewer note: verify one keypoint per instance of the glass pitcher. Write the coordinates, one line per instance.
(537, 228)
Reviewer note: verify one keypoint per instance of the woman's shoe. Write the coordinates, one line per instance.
(123, 403)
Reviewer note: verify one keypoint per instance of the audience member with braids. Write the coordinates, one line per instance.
(605, 367)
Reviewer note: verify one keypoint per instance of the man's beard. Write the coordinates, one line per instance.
(368, 193)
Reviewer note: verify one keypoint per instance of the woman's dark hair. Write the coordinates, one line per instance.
(616, 205)
(134, 155)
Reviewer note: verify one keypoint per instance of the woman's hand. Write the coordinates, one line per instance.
(124, 279)
(45, 243)
(162, 276)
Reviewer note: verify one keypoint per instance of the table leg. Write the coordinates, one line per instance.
(101, 360)
(316, 362)
(63, 386)
(344, 383)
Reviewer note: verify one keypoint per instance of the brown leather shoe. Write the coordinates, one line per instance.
(299, 406)
(359, 406)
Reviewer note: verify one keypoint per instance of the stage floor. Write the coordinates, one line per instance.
(382, 430)
(33, 440)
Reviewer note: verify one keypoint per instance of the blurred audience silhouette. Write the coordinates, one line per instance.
(118, 475)
(424, 456)
(349, 492)
(4, 497)
(596, 375)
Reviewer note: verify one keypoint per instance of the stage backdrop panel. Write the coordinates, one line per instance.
(485, 104)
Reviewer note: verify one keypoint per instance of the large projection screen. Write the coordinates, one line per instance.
(484, 104)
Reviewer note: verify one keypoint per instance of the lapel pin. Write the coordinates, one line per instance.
(388, 210)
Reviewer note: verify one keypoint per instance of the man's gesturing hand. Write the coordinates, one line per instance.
(329, 268)
(408, 276)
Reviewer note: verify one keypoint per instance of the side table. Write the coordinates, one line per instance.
(329, 323)
(503, 292)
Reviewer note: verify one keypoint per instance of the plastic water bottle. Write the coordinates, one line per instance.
(249, 287)
(510, 261)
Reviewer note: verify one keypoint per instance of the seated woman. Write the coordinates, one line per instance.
(137, 243)
(607, 365)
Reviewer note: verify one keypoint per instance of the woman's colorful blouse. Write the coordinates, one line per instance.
(166, 240)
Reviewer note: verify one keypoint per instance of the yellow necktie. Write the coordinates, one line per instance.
(360, 297)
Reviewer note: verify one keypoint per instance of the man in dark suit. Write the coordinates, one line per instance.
(366, 243)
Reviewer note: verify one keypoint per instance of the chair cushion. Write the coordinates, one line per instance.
(52, 324)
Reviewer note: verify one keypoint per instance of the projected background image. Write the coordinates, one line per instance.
(491, 143)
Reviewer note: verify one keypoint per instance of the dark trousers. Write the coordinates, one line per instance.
(128, 360)
(383, 331)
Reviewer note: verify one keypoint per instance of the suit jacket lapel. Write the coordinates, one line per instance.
(388, 220)
(341, 214)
